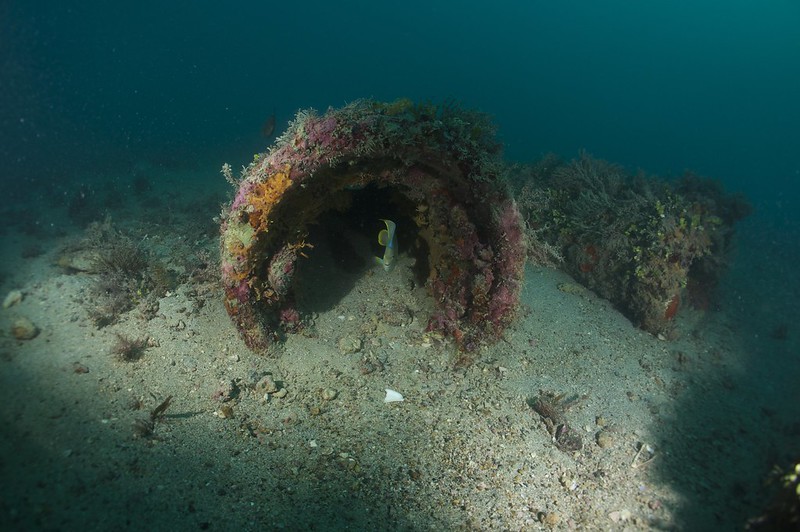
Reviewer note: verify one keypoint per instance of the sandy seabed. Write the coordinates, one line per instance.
(675, 435)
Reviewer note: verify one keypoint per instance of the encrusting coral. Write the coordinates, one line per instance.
(442, 160)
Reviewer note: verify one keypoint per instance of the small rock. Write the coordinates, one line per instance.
(79, 261)
(396, 314)
(24, 329)
(329, 394)
(266, 385)
(349, 344)
(551, 518)
(620, 516)
(13, 297)
(572, 288)
(604, 439)
(367, 366)
(227, 390)
(281, 393)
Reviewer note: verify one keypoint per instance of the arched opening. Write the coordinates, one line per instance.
(346, 245)
(327, 182)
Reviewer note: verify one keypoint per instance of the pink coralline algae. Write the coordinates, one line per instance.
(443, 164)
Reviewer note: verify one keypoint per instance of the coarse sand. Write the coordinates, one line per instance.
(673, 434)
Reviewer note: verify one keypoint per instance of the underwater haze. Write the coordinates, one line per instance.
(96, 94)
(703, 85)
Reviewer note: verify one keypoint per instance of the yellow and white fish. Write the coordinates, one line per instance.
(388, 239)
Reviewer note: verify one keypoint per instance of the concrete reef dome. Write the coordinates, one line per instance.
(442, 166)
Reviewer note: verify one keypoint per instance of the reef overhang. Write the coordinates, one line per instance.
(442, 159)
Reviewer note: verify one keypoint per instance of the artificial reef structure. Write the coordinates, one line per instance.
(440, 167)
(649, 246)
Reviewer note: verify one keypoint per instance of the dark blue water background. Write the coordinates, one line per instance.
(706, 85)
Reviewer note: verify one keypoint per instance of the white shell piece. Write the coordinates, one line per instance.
(392, 396)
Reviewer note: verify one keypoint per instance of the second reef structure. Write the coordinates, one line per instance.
(441, 166)
(647, 245)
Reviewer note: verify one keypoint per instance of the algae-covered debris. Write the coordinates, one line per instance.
(552, 409)
(648, 245)
(144, 427)
(129, 349)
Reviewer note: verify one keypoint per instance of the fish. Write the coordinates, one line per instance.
(269, 126)
(388, 239)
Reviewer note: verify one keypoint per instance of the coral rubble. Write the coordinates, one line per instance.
(648, 246)
(442, 161)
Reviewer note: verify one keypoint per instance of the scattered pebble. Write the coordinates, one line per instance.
(392, 396)
(13, 297)
(266, 385)
(189, 363)
(604, 439)
(78, 261)
(367, 366)
(550, 519)
(329, 394)
(572, 288)
(350, 344)
(226, 391)
(396, 314)
(24, 329)
(619, 516)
